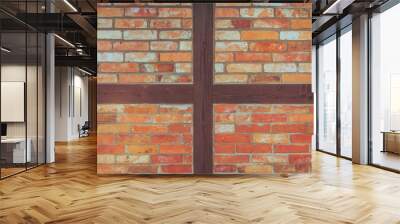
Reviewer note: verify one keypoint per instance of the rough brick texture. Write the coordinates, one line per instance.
(144, 43)
(263, 43)
(144, 138)
(259, 138)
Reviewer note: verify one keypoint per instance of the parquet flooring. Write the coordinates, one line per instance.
(69, 191)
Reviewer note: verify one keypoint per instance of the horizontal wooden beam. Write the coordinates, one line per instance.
(139, 93)
(227, 93)
(268, 94)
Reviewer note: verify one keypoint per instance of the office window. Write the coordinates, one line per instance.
(327, 96)
(385, 89)
(346, 93)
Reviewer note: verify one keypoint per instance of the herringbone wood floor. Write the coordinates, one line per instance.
(71, 192)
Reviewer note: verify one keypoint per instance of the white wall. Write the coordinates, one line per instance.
(71, 93)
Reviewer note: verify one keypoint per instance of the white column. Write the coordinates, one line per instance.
(360, 90)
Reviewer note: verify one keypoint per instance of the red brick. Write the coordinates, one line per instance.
(110, 149)
(225, 169)
(187, 159)
(225, 108)
(302, 167)
(130, 46)
(224, 148)
(241, 23)
(231, 159)
(224, 118)
(142, 149)
(142, 169)
(268, 46)
(166, 159)
(293, 57)
(232, 138)
(104, 139)
(284, 168)
(133, 139)
(299, 46)
(176, 169)
(269, 118)
(112, 169)
(176, 57)
(141, 109)
(300, 117)
(130, 23)
(291, 148)
(291, 128)
(249, 57)
(300, 24)
(135, 78)
(103, 45)
(259, 35)
(109, 12)
(149, 129)
(301, 138)
(135, 118)
(141, 12)
(118, 67)
(224, 57)
(300, 158)
(226, 12)
(160, 139)
(187, 139)
(175, 149)
(253, 128)
(254, 148)
(106, 118)
(179, 128)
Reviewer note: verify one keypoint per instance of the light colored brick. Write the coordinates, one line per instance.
(175, 35)
(243, 67)
(218, 67)
(256, 12)
(109, 34)
(140, 35)
(271, 138)
(110, 57)
(185, 45)
(141, 57)
(183, 67)
(280, 67)
(224, 128)
(227, 35)
(295, 35)
(231, 46)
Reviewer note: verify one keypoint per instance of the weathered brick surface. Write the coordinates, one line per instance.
(144, 43)
(259, 138)
(263, 43)
(144, 138)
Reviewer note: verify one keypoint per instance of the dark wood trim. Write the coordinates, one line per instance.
(203, 66)
(139, 93)
(268, 93)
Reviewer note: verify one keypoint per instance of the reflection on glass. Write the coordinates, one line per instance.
(385, 84)
(14, 153)
(346, 94)
(327, 96)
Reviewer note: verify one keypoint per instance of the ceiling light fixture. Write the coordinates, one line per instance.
(70, 5)
(84, 71)
(5, 50)
(337, 7)
(65, 41)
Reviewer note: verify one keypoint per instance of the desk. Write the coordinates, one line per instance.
(16, 148)
(391, 141)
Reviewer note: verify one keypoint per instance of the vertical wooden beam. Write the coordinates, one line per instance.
(203, 57)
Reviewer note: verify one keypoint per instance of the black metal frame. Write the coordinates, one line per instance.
(29, 29)
(339, 32)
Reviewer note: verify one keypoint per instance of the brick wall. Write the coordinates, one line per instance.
(144, 138)
(262, 43)
(139, 43)
(255, 43)
(259, 138)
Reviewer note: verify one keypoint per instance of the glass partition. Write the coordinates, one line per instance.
(346, 93)
(385, 89)
(22, 88)
(327, 95)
